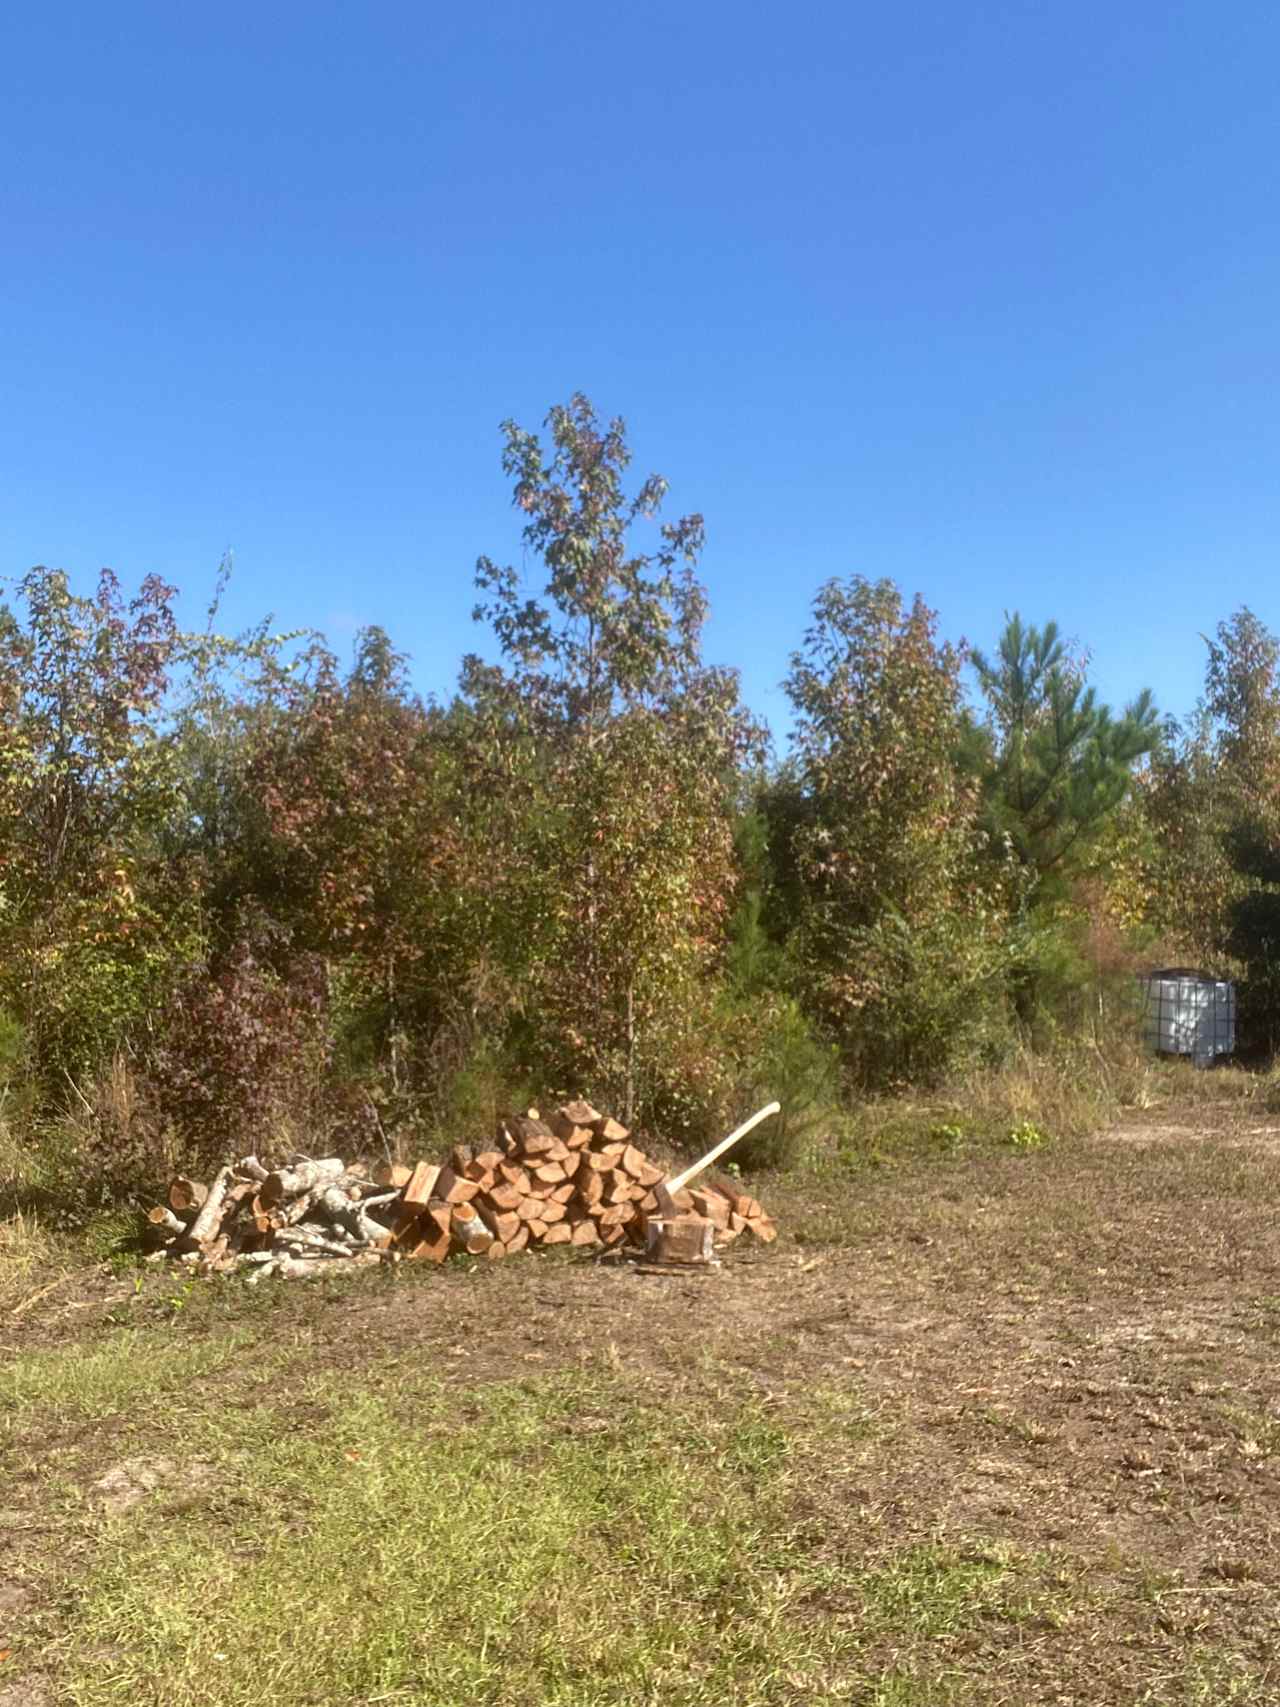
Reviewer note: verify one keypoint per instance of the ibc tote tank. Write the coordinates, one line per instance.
(1190, 1013)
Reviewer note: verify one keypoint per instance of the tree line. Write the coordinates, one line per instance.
(247, 891)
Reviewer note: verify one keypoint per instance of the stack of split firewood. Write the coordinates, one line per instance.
(575, 1179)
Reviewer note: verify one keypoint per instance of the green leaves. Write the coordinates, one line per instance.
(1054, 765)
(615, 849)
(881, 833)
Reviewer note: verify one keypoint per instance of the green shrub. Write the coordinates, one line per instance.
(935, 1001)
(730, 1057)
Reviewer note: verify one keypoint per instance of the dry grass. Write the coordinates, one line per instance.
(30, 1257)
(1036, 1097)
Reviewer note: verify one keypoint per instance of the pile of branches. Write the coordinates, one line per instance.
(298, 1220)
(575, 1179)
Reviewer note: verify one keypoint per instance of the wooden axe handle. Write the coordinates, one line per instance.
(682, 1180)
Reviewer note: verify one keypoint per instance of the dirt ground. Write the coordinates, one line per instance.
(1071, 1354)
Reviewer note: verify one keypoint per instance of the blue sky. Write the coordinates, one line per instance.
(983, 297)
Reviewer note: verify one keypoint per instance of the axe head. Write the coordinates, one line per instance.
(666, 1203)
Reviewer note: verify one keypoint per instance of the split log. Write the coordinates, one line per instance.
(393, 1173)
(746, 1205)
(571, 1136)
(574, 1116)
(584, 1233)
(518, 1241)
(452, 1187)
(712, 1207)
(504, 1196)
(435, 1233)
(559, 1233)
(533, 1135)
(610, 1130)
(501, 1223)
(420, 1187)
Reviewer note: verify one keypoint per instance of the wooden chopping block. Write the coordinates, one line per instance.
(680, 1239)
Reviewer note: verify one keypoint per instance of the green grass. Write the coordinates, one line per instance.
(111, 1377)
(576, 1543)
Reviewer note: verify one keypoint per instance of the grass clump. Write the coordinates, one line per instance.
(126, 1369)
(30, 1257)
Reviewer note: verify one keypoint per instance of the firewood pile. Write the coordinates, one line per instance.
(575, 1179)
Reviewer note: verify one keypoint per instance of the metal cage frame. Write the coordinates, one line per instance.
(1189, 1012)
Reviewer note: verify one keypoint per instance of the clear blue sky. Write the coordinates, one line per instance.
(983, 297)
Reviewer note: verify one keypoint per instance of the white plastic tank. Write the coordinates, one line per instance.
(1190, 1013)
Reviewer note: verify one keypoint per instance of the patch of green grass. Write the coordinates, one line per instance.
(128, 1368)
(1025, 1136)
(1210, 1678)
(567, 1543)
(1257, 1432)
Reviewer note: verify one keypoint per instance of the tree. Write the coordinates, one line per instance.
(1242, 696)
(893, 942)
(1054, 763)
(1210, 796)
(616, 745)
(89, 913)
